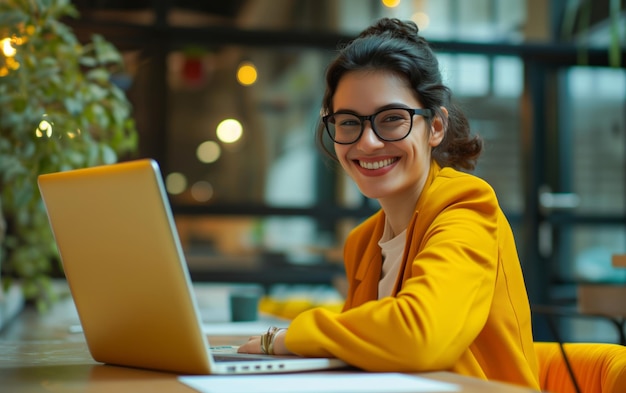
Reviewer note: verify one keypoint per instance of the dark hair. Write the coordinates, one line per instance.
(394, 45)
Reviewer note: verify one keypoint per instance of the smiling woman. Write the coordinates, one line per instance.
(440, 241)
(367, 156)
(518, 81)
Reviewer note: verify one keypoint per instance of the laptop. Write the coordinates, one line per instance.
(128, 277)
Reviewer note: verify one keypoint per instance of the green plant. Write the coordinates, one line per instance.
(59, 110)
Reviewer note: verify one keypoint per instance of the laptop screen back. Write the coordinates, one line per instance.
(125, 267)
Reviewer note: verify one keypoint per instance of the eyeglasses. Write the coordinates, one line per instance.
(389, 125)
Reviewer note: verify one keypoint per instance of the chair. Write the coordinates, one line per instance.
(598, 367)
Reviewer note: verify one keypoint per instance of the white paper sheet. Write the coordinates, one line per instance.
(316, 383)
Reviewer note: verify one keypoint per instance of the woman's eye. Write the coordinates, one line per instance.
(348, 122)
(392, 118)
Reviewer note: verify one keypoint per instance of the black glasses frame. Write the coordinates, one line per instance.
(426, 113)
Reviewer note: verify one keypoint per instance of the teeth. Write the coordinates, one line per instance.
(377, 164)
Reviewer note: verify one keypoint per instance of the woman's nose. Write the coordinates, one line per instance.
(368, 140)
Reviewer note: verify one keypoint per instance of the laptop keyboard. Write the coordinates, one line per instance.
(227, 358)
(228, 353)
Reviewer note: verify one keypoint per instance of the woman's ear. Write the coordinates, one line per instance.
(438, 128)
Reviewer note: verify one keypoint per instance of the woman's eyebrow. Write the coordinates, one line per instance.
(380, 108)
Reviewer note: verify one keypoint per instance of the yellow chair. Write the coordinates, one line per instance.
(598, 367)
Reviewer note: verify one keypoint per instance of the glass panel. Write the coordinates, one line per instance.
(274, 160)
(592, 249)
(470, 20)
(230, 237)
(247, 241)
(580, 329)
(467, 20)
(500, 163)
(473, 20)
(595, 116)
(466, 75)
(490, 96)
(508, 77)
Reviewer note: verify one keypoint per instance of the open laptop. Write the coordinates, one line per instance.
(128, 276)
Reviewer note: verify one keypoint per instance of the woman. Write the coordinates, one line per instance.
(435, 282)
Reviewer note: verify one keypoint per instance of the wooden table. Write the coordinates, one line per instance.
(38, 353)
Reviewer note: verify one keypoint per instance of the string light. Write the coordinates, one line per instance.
(246, 73)
(229, 131)
(391, 3)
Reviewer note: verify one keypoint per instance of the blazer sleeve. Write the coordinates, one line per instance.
(445, 296)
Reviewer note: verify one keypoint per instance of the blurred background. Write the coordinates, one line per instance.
(226, 96)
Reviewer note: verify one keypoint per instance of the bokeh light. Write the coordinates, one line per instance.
(246, 73)
(175, 183)
(7, 49)
(390, 3)
(202, 191)
(421, 19)
(229, 131)
(208, 152)
(44, 129)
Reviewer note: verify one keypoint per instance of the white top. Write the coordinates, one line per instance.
(392, 249)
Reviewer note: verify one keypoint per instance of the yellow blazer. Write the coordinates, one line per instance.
(459, 304)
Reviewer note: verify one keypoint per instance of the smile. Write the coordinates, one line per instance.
(377, 164)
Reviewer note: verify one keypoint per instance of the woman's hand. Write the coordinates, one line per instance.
(254, 345)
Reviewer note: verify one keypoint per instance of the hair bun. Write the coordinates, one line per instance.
(393, 28)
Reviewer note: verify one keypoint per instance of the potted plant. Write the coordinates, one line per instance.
(59, 110)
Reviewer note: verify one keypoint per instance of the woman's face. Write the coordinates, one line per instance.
(393, 171)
